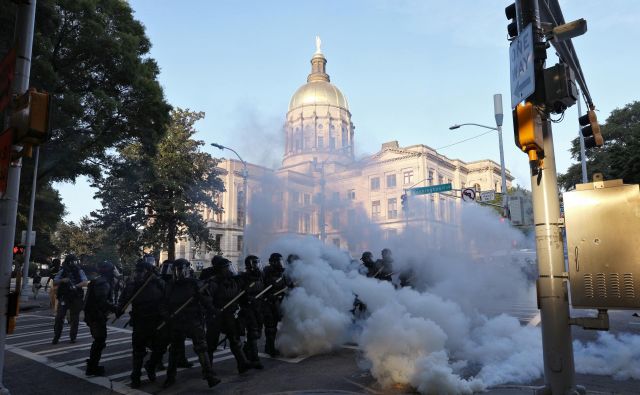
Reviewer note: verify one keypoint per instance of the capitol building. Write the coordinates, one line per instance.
(322, 190)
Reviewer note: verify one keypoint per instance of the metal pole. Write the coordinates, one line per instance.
(26, 291)
(25, 20)
(552, 285)
(497, 107)
(245, 174)
(583, 159)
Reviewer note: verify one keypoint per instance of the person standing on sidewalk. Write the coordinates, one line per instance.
(69, 281)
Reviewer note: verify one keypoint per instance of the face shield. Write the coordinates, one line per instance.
(181, 272)
(150, 259)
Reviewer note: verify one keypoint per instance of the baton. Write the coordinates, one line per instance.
(268, 288)
(134, 296)
(280, 291)
(185, 304)
(238, 296)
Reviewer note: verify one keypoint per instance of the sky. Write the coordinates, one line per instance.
(409, 69)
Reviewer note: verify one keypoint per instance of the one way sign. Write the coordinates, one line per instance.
(523, 80)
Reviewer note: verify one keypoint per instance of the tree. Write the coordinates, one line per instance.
(153, 199)
(619, 157)
(92, 56)
(86, 240)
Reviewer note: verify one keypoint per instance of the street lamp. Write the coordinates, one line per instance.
(497, 110)
(245, 175)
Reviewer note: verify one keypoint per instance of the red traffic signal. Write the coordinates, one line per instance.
(18, 249)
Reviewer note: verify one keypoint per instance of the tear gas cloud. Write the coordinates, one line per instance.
(446, 334)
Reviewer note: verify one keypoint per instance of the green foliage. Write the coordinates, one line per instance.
(620, 155)
(92, 56)
(151, 200)
(89, 242)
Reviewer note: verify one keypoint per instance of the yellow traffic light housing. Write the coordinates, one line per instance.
(528, 131)
(30, 118)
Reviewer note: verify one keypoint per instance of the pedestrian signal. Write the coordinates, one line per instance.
(18, 249)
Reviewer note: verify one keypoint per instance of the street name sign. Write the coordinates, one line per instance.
(523, 80)
(487, 196)
(430, 189)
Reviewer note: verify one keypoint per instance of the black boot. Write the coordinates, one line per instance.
(136, 369)
(169, 381)
(150, 368)
(93, 369)
(251, 352)
(241, 359)
(270, 345)
(207, 371)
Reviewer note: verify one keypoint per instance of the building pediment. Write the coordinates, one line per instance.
(391, 154)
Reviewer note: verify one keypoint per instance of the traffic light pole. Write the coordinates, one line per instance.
(25, 21)
(552, 283)
(26, 292)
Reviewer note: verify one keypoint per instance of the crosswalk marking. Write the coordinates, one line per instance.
(31, 336)
(164, 372)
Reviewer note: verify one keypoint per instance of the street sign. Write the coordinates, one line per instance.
(469, 195)
(523, 82)
(487, 196)
(430, 189)
(23, 238)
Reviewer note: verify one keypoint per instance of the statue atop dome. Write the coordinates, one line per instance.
(318, 43)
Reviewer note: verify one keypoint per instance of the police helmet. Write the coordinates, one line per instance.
(251, 258)
(367, 255)
(70, 259)
(275, 257)
(142, 265)
(219, 262)
(181, 268)
(105, 267)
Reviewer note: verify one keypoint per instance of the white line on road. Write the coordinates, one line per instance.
(79, 347)
(101, 381)
(74, 361)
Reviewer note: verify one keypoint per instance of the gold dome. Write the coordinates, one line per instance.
(318, 93)
(318, 90)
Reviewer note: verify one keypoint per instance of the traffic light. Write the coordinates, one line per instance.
(405, 202)
(590, 130)
(30, 119)
(528, 131)
(18, 249)
(512, 27)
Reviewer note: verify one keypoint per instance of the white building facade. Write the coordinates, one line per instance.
(321, 190)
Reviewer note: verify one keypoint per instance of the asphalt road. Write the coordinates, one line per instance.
(35, 366)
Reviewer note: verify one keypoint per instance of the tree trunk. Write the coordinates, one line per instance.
(171, 243)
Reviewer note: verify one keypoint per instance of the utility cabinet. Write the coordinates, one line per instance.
(602, 222)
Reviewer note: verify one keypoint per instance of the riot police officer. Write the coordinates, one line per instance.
(146, 315)
(184, 301)
(225, 290)
(252, 282)
(97, 307)
(69, 282)
(369, 263)
(273, 276)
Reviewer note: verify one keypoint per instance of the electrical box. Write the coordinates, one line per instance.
(602, 222)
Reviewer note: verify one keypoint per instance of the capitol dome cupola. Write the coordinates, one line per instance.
(318, 121)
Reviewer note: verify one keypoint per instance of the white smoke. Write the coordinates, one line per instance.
(448, 332)
(612, 355)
